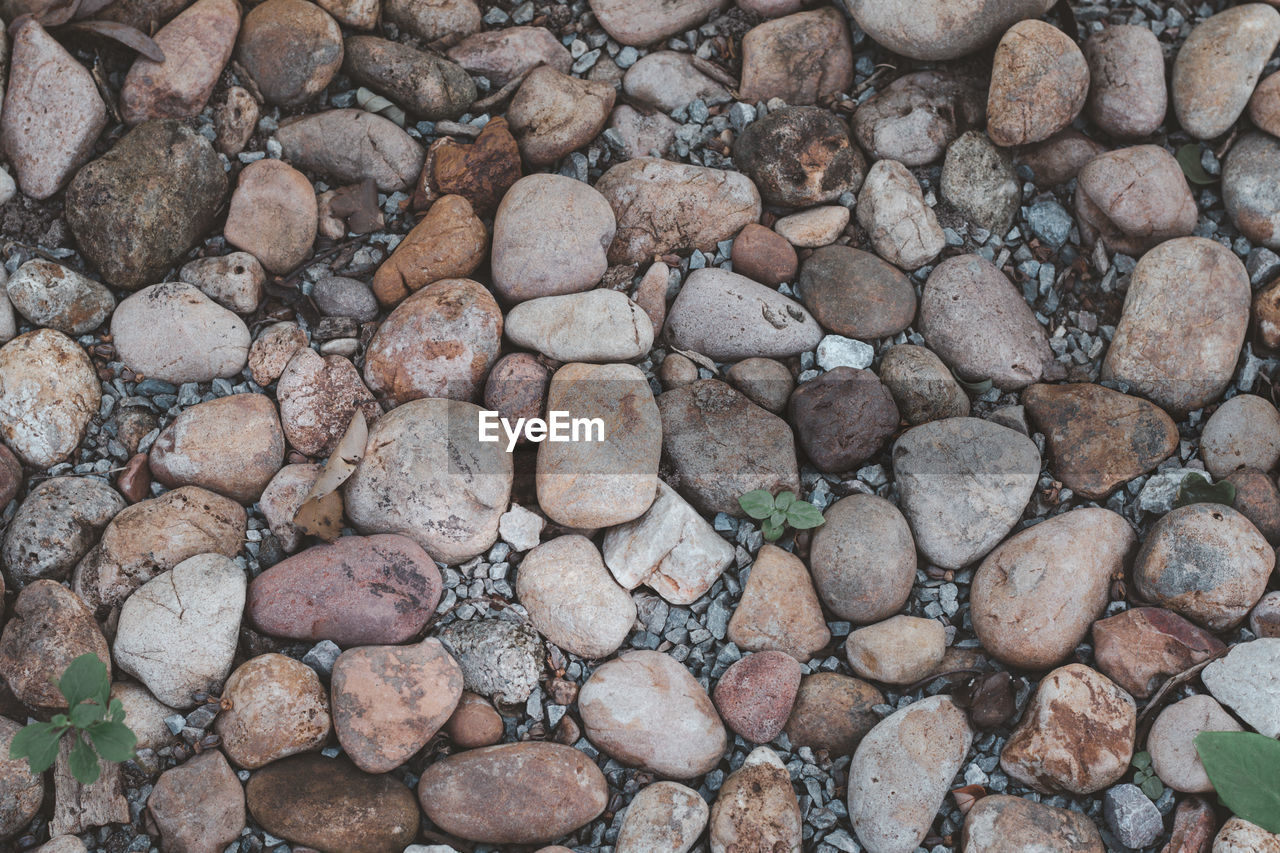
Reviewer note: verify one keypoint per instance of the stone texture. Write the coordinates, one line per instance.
(1127, 94)
(49, 394)
(235, 281)
(1059, 158)
(842, 418)
(900, 650)
(198, 805)
(56, 297)
(853, 293)
(571, 598)
(668, 80)
(1211, 83)
(901, 227)
(921, 385)
(1142, 646)
(273, 214)
(1133, 199)
(729, 317)
(832, 712)
(1240, 836)
(317, 396)
(278, 709)
(978, 178)
(940, 29)
(175, 333)
(291, 49)
(271, 351)
(1264, 105)
(1004, 824)
(599, 325)
(58, 522)
(1248, 188)
(1170, 741)
(499, 659)
(1247, 681)
(756, 693)
(502, 55)
(764, 255)
(474, 722)
(800, 156)
(642, 22)
(352, 145)
(756, 807)
(48, 627)
(662, 816)
(230, 445)
(434, 19)
(863, 559)
(553, 114)
(766, 382)
(23, 790)
(423, 83)
(1039, 80)
(779, 609)
(915, 117)
(449, 242)
(802, 58)
(1244, 431)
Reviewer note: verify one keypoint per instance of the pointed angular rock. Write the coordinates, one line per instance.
(779, 609)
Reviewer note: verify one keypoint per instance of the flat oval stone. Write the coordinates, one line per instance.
(1039, 82)
(1243, 432)
(197, 45)
(424, 83)
(175, 333)
(502, 55)
(1239, 836)
(48, 394)
(662, 816)
(361, 590)
(756, 806)
(922, 386)
(597, 325)
(351, 145)
(1002, 824)
(1249, 188)
(940, 29)
(668, 80)
(328, 803)
(439, 19)
(1217, 66)
(291, 49)
(55, 297)
(853, 293)
(902, 228)
(863, 559)
(273, 215)
(230, 445)
(832, 712)
(900, 650)
(728, 317)
(645, 710)
(1170, 741)
(58, 522)
(514, 793)
(801, 58)
(572, 599)
(278, 708)
(553, 114)
(641, 22)
(1134, 199)
(1127, 93)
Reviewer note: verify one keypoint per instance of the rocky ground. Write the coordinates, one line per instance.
(982, 284)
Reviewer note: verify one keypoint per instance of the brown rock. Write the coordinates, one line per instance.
(766, 382)
(762, 254)
(755, 694)
(278, 708)
(517, 386)
(357, 14)
(503, 55)
(481, 172)
(199, 805)
(863, 559)
(779, 608)
(474, 722)
(282, 498)
(273, 214)
(1140, 647)
(915, 118)
(651, 294)
(900, 650)
(449, 242)
(1266, 315)
(641, 22)
(351, 146)
(1039, 81)
(799, 157)
(1127, 94)
(49, 628)
(50, 394)
(553, 114)
(832, 712)
(676, 371)
(921, 385)
(1217, 66)
(853, 293)
(1134, 199)
(801, 58)
(291, 49)
(23, 790)
(1059, 158)
(1258, 500)
(756, 808)
(842, 418)
(197, 45)
(435, 19)
(1194, 824)
(273, 349)
(10, 475)
(231, 445)
(1004, 824)
(423, 83)
(318, 395)
(235, 119)
(1264, 105)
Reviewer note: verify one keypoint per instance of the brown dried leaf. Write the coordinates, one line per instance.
(967, 796)
(123, 33)
(698, 359)
(357, 205)
(321, 517)
(321, 513)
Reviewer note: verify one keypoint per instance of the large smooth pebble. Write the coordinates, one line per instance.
(572, 599)
(1172, 736)
(598, 325)
(940, 29)
(1218, 65)
(729, 317)
(175, 333)
(863, 559)
(1039, 81)
(48, 394)
(756, 807)
(663, 816)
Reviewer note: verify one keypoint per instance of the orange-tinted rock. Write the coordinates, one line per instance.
(1141, 647)
(449, 242)
(1133, 199)
(278, 708)
(481, 172)
(832, 712)
(762, 254)
(1039, 81)
(779, 608)
(291, 49)
(474, 722)
(48, 629)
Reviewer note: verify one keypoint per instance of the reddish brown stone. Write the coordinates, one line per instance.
(481, 172)
(1258, 500)
(134, 481)
(764, 255)
(474, 722)
(755, 694)
(10, 476)
(230, 445)
(855, 294)
(1059, 158)
(49, 628)
(278, 708)
(842, 418)
(1141, 647)
(517, 386)
(1194, 825)
(833, 712)
(449, 242)
(317, 396)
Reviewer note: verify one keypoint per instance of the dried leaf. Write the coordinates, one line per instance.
(698, 359)
(1189, 159)
(321, 513)
(89, 8)
(967, 796)
(321, 517)
(123, 33)
(375, 103)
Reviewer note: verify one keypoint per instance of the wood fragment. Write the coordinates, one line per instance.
(78, 808)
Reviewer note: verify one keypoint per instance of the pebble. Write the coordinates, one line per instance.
(503, 55)
(599, 325)
(1194, 824)
(517, 386)
(50, 395)
(235, 120)
(756, 693)
(978, 178)
(235, 281)
(915, 117)
(438, 343)
(641, 135)
(1206, 562)
(338, 296)
(271, 352)
(136, 210)
(1211, 84)
(1168, 290)
(515, 793)
(1264, 104)
(1264, 620)
(388, 701)
(663, 816)
(1039, 81)
(174, 333)
(1097, 438)
(351, 146)
(278, 708)
(779, 609)
(360, 590)
(799, 157)
(474, 723)
(1173, 755)
(48, 627)
(1247, 681)
(273, 214)
(499, 659)
(1128, 98)
(813, 228)
(56, 524)
(669, 81)
(1134, 199)
(1131, 815)
(937, 29)
(1244, 431)
(553, 114)
(177, 633)
(1248, 188)
(728, 317)
(756, 807)
(767, 382)
(198, 806)
(423, 83)
(317, 396)
(1035, 596)
(1240, 836)
(646, 710)
(357, 14)
(863, 559)
(899, 650)
(801, 58)
(291, 49)
(146, 714)
(642, 22)
(832, 712)
(571, 598)
(230, 445)
(55, 297)
(998, 823)
(440, 19)
(963, 484)
(1140, 647)
(855, 294)
(842, 418)
(53, 112)
(901, 227)
(922, 386)
(448, 243)
(1076, 736)
(894, 793)
(550, 237)
(1059, 158)
(764, 255)
(1258, 500)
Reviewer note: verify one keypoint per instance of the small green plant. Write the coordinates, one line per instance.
(1244, 768)
(1196, 489)
(776, 514)
(1144, 776)
(93, 719)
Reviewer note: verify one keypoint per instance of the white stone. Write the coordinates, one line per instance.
(1247, 681)
(810, 229)
(836, 351)
(8, 187)
(1159, 491)
(520, 528)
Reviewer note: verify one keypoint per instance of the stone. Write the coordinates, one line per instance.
(1173, 755)
(229, 445)
(1258, 500)
(899, 650)
(902, 228)
(756, 807)
(436, 19)
(1264, 620)
(756, 693)
(1211, 85)
(49, 394)
(48, 627)
(152, 536)
(357, 14)
(668, 81)
(863, 559)
(328, 803)
(611, 478)
(1205, 562)
(1133, 199)
(1264, 104)
(174, 333)
(802, 58)
(474, 722)
(1127, 94)
(439, 343)
(271, 352)
(799, 157)
(1059, 158)
(702, 426)
(671, 549)
(1240, 836)
(978, 178)
(1244, 431)
(662, 816)
(676, 371)
(517, 386)
(56, 524)
(835, 351)
(55, 297)
(1194, 824)
(136, 210)
(1166, 292)
(1097, 438)
(645, 710)
(358, 591)
(1247, 681)
(641, 135)
(177, 633)
(963, 484)
(516, 793)
(503, 55)
(999, 823)
(318, 396)
(553, 114)
(1248, 181)
(1142, 646)
(571, 598)
(197, 45)
(779, 609)
(922, 386)
(145, 713)
(278, 709)
(273, 214)
(235, 119)
(764, 255)
(448, 243)
(765, 381)
(550, 236)
(642, 22)
(499, 659)
(352, 145)
(811, 229)
(423, 83)
(728, 317)
(832, 712)
(1035, 596)
(842, 418)
(291, 49)
(198, 805)
(337, 296)
(939, 29)
(1076, 736)
(53, 112)
(235, 281)
(599, 325)
(23, 790)
(914, 118)
(664, 207)
(901, 771)
(651, 294)
(1131, 815)
(388, 701)
(1039, 81)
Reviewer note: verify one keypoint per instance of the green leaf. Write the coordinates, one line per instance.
(772, 532)
(85, 678)
(757, 503)
(38, 743)
(114, 741)
(60, 720)
(1142, 760)
(978, 388)
(1189, 159)
(86, 714)
(1152, 787)
(1244, 768)
(1196, 489)
(784, 500)
(803, 515)
(84, 763)
(115, 712)
(778, 519)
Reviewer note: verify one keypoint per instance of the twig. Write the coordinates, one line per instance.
(1170, 684)
(453, 128)
(502, 94)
